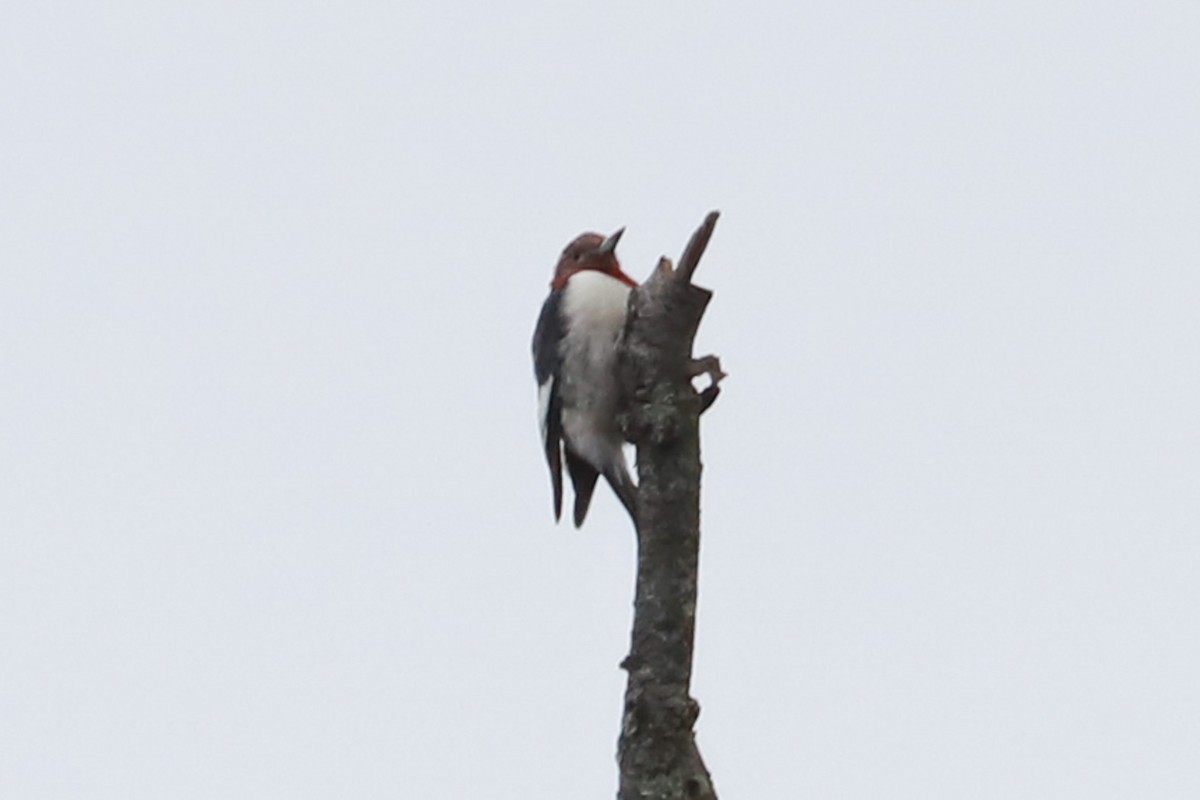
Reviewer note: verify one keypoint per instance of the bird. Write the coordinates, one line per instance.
(575, 361)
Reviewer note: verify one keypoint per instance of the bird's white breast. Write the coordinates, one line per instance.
(594, 306)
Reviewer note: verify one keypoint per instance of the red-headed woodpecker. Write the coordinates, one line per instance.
(574, 361)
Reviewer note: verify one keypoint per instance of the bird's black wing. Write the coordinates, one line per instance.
(547, 358)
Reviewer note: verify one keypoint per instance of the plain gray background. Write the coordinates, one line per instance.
(275, 521)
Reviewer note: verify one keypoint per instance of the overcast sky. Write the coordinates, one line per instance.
(274, 520)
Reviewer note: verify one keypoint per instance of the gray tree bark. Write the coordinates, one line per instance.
(657, 750)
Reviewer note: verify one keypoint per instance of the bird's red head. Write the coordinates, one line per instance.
(590, 251)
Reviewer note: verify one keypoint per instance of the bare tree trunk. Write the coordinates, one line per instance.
(657, 751)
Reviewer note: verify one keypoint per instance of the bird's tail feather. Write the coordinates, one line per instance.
(584, 476)
(583, 496)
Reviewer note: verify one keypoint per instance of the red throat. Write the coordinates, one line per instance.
(623, 278)
(564, 273)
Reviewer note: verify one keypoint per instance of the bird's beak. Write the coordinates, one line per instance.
(610, 244)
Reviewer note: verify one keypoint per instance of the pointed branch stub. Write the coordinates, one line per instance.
(696, 246)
